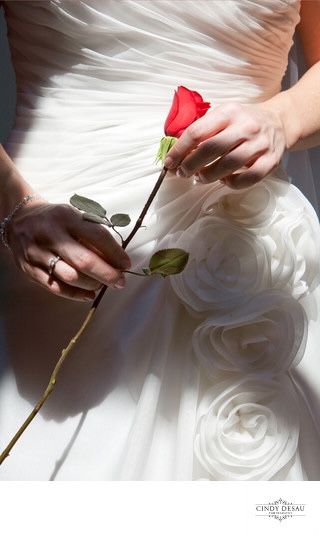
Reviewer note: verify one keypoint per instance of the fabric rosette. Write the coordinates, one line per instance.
(266, 335)
(287, 225)
(253, 207)
(226, 264)
(247, 429)
(294, 245)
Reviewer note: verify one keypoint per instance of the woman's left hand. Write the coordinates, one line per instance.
(246, 141)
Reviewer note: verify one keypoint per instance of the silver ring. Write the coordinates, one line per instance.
(52, 263)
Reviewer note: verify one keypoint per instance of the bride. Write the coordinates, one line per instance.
(211, 374)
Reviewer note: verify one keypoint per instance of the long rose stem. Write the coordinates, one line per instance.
(74, 339)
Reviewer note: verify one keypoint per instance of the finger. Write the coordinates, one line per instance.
(87, 262)
(68, 274)
(203, 128)
(95, 236)
(209, 150)
(55, 286)
(232, 161)
(62, 270)
(254, 174)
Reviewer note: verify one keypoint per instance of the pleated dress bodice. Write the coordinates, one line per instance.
(211, 374)
(95, 79)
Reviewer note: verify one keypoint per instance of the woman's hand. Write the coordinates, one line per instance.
(90, 256)
(246, 141)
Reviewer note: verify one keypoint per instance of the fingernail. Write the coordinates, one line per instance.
(126, 263)
(180, 173)
(89, 297)
(201, 179)
(120, 283)
(168, 162)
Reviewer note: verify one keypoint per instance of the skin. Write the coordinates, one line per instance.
(40, 230)
(247, 142)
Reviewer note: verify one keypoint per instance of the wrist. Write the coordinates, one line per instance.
(13, 186)
(284, 106)
(13, 189)
(12, 193)
(6, 221)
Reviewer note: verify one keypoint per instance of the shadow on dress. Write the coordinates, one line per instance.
(35, 324)
(38, 325)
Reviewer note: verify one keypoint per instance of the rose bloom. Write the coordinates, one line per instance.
(265, 335)
(187, 106)
(248, 429)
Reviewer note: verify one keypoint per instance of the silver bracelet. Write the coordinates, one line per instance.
(6, 220)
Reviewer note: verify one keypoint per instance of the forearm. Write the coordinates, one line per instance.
(12, 185)
(299, 110)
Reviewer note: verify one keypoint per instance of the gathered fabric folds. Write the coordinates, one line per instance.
(211, 374)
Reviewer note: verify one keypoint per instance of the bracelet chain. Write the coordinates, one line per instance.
(6, 220)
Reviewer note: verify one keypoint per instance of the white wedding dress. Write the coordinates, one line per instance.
(212, 374)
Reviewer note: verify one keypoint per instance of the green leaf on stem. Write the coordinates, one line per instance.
(94, 218)
(87, 205)
(169, 261)
(120, 219)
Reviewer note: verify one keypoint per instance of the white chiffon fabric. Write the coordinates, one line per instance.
(208, 375)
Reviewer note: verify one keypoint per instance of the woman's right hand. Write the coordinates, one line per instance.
(90, 256)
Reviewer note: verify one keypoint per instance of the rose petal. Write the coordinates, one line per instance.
(172, 113)
(187, 112)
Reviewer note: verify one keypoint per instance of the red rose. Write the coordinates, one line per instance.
(187, 106)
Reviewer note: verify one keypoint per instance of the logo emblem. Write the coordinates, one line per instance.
(280, 509)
